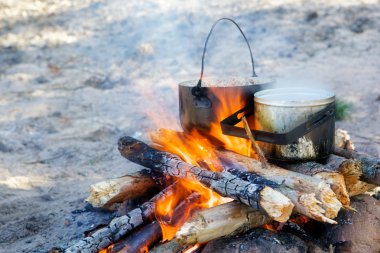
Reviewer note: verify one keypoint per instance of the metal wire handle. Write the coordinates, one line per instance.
(197, 91)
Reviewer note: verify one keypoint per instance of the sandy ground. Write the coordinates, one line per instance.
(76, 75)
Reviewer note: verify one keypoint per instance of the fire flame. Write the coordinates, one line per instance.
(196, 149)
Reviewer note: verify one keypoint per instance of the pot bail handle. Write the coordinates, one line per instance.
(197, 91)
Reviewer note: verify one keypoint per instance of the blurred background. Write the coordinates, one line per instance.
(76, 75)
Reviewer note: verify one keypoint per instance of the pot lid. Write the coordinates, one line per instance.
(294, 97)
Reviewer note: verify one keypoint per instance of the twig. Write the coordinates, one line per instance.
(256, 147)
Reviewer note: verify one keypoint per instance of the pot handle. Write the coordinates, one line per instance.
(197, 91)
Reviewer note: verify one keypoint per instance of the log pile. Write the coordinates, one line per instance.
(258, 193)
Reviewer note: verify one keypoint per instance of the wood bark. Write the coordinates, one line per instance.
(226, 219)
(258, 196)
(106, 193)
(119, 226)
(296, 181)
(370, 165)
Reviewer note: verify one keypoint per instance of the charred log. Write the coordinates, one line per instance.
(119, 226)
(258, 196)
(140, 241)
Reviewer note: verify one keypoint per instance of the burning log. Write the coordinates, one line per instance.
(140, 241)
(370, 166)
(296, 181)
(305, 203)
(106, 193)
(226, 219)
(258, 196)
(119, 226)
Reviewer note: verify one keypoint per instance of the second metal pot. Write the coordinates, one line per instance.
(281, 110)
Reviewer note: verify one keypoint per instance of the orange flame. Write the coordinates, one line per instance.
(196, 149)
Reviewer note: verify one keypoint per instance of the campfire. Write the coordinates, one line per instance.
(210, 190)
(211, 186)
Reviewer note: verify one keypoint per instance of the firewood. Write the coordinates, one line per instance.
(296, 181)
(106, 193)
(350, 169)
(275, 204)
(304, 203)
(119, 226)
(139, 241)
(329, 172)
(215, 222)
(370, 165)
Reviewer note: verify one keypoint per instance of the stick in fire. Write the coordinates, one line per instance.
(258, 196)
